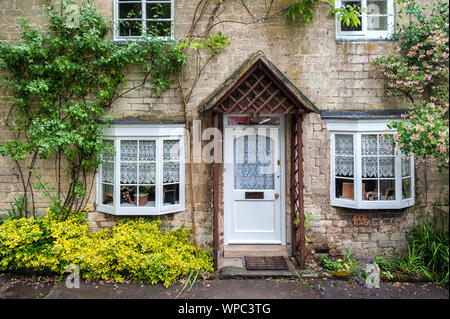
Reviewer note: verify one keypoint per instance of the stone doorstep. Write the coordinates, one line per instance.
(231, 251)
(234, 267)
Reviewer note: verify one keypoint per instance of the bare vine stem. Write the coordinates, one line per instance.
(201, 64)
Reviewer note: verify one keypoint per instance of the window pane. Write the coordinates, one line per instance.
(108, 172)
(171, 172)
(385, 144)
(108, 156)
(128, 173)
(171, 194)
(370, 189)
(159, 10)
(147, 151)
(345, 3)
(377, 7)
(127, 196)
(369, 145)
(130, 28)
(369, 167)
(248, 120)
(343, 144)
(343, 166)
(347, 28)
(108, 194)
(344, 189)
(387, 189)
(147, 173)
(387, 167)
(406, 188)
(406, 166)
(130, 10)
(128, 150)
(171, 150)
(375, 23)
(146, 196)
(159, 28)
(344, 27)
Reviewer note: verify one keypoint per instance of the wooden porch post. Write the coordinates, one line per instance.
(301, 224)
(216, 194)
(297, 189)
(293, 189)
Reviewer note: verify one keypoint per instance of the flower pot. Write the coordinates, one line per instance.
(143, 199)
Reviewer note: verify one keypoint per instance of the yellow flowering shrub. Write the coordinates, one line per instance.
(135, 250)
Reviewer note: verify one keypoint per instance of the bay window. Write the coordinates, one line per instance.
(377, 20)
(366, 171)
(145, 173)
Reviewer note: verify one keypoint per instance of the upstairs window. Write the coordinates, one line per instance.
(377, 20)
(135, 19)
(366, 171)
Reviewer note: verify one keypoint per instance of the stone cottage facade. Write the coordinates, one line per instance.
(312, 84)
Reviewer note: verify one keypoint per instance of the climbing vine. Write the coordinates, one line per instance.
(420, 73)
(62, 81)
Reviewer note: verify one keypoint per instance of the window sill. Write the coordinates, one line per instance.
(162, 39)
(139, 211)
(348, 39)
(375, 205)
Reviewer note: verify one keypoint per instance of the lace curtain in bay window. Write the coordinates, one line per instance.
(343, 151)
(375, 151)
(171, 158)
(134, 171)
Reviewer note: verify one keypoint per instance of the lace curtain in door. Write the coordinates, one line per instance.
(253, 162)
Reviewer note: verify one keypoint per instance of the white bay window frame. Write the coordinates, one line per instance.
(357, 128)
(364, 33)
(158, 133)
(143, 19)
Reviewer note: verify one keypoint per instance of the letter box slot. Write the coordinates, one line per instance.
(254, 195)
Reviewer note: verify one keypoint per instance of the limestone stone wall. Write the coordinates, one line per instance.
(333, 75)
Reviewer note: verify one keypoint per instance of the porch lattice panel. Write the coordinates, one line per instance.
(257, 92)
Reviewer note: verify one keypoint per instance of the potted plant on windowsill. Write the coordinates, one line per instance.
(143, 196)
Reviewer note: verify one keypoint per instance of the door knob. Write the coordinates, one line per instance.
(277, 195)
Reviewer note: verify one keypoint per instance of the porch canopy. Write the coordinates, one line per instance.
(259, 87)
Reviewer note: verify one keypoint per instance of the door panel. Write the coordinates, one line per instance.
(247, 212)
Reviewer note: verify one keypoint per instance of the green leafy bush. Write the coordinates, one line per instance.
(428, 251)
(135, 250)
(344, 265)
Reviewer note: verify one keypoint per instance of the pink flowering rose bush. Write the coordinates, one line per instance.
(419, 73)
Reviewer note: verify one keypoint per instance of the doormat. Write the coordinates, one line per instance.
(266, 263)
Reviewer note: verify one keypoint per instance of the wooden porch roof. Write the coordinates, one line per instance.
(258, 86)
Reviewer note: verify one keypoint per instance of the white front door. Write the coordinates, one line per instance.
(252, 180)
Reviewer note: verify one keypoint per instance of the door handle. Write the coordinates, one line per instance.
(277, 195)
